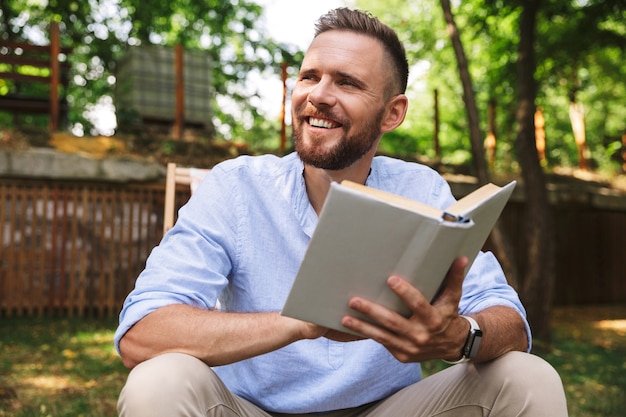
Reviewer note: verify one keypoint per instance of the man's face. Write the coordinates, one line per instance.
(338, 102)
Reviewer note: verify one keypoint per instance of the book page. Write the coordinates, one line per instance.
(484, 213)
(478, 197)
(394, 199)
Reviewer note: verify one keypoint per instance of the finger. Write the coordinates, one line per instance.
(413, 298)
(453, 288)
(380, 320)
(401, 345)
(372, 331)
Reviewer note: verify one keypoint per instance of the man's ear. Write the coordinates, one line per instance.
(394, 113)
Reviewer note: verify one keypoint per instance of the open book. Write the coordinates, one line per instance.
(365, 235)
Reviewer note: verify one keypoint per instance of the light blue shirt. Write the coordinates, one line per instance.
(241, 238)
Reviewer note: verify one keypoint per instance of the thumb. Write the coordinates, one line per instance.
(453, 284)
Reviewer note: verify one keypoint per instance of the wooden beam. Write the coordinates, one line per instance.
(55, 76)
(283, 126)
(180, 92)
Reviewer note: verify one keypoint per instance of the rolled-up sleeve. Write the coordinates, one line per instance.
(486, 286)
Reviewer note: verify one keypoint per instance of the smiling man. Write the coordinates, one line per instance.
(241, 238)
(339, 103)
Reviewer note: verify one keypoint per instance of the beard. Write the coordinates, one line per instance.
(349, 150)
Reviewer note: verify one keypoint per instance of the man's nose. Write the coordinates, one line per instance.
(323, 93)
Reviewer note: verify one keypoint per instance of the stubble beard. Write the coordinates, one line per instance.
(348, 150)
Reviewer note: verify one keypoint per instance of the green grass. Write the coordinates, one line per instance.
(58, 367)
(68, 367)
(589, 352)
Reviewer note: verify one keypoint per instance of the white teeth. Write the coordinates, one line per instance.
(321, 123)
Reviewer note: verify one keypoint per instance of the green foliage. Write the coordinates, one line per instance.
(229, 32)
(579, 51)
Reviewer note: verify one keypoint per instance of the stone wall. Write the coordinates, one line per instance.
(51, 164)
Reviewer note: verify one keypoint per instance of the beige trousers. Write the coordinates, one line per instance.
(516, 384)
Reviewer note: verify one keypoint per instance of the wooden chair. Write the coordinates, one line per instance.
(178, 175)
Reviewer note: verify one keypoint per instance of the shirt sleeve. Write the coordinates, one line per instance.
(486, 286)
(192, 262)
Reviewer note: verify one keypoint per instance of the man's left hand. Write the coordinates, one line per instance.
(433, 331)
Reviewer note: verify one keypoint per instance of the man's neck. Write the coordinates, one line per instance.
(318, 180)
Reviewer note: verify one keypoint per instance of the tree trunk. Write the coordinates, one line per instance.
(577, 119)
(538, 280)
(491, 138)
(478, 151)
(501, 244)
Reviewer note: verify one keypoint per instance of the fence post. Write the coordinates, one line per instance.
(180, 92)
(55, 70)
(283, 128)
(436, 127)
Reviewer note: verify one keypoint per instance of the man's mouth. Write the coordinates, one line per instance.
(323, 123)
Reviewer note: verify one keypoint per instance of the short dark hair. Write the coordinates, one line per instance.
(366, 24)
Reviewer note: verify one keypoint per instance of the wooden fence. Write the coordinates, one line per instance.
(72, 248)
(590, 251)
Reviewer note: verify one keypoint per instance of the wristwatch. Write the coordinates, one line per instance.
(472, 343)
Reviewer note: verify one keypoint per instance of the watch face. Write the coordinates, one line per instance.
(476, 337)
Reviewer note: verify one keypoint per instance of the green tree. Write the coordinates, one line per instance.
(230, 32)
(580, 64)
(538, 45)
(538, 282)
(576, 40)
(503, 247)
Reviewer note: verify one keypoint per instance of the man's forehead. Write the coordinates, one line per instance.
(344, 47)
(343, 37)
